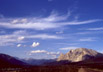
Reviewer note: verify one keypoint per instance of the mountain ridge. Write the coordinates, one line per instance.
(9, 61)
(37, 61)
(74, 55)
(79, 54)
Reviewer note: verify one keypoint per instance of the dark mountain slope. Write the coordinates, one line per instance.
(9, 61)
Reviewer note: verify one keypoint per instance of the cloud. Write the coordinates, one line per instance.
(54, 20)
(16, 21)
(87, 39)
(99, 28)
(38, 51)
(11, 39)
(35, 44)
(20, 32)
(30, 25)
(21, 38)
(89, 32)
(6, 44)
(19, 45)
(24, 20)
(68, 48)
(45, 36)
(25, 34)
(60, 32)
(67, 43)
(7, 40)
(84, 33)
(53, 54)
(55, 17)
(81, 22)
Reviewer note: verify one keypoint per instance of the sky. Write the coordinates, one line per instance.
(42, 29)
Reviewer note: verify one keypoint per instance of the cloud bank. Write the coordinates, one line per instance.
(54, 20)
(53, 54)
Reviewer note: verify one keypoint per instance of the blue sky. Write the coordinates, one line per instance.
(42, 29)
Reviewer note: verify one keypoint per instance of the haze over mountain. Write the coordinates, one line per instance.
(37, 61)
(79, 54)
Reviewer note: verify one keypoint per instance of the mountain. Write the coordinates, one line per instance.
(37, 61)
(9, 61)
(80, 54)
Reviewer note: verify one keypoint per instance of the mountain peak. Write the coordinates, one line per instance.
(78, 54)
(85, 51)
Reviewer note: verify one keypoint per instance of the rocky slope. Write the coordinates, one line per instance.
(79, 54)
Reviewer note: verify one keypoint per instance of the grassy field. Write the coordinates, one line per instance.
(88, 67)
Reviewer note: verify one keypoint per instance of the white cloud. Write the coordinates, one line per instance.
(87, 39)
(14, 21)
(100, 28)
(83, 33)
(20, 32)
(24, 20)
(19, 45)
(11, 39)
(30, 25)
(6, 44)
(21, 38)
(67, 43)
(89, 32)
(35, 44)
(55, 17)
(45, 36)
(38, 51)
(60, 32)
(54, 20)
(53, 54)
(68, 48)
(41, 23)
(81, 22)
(7, 40)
